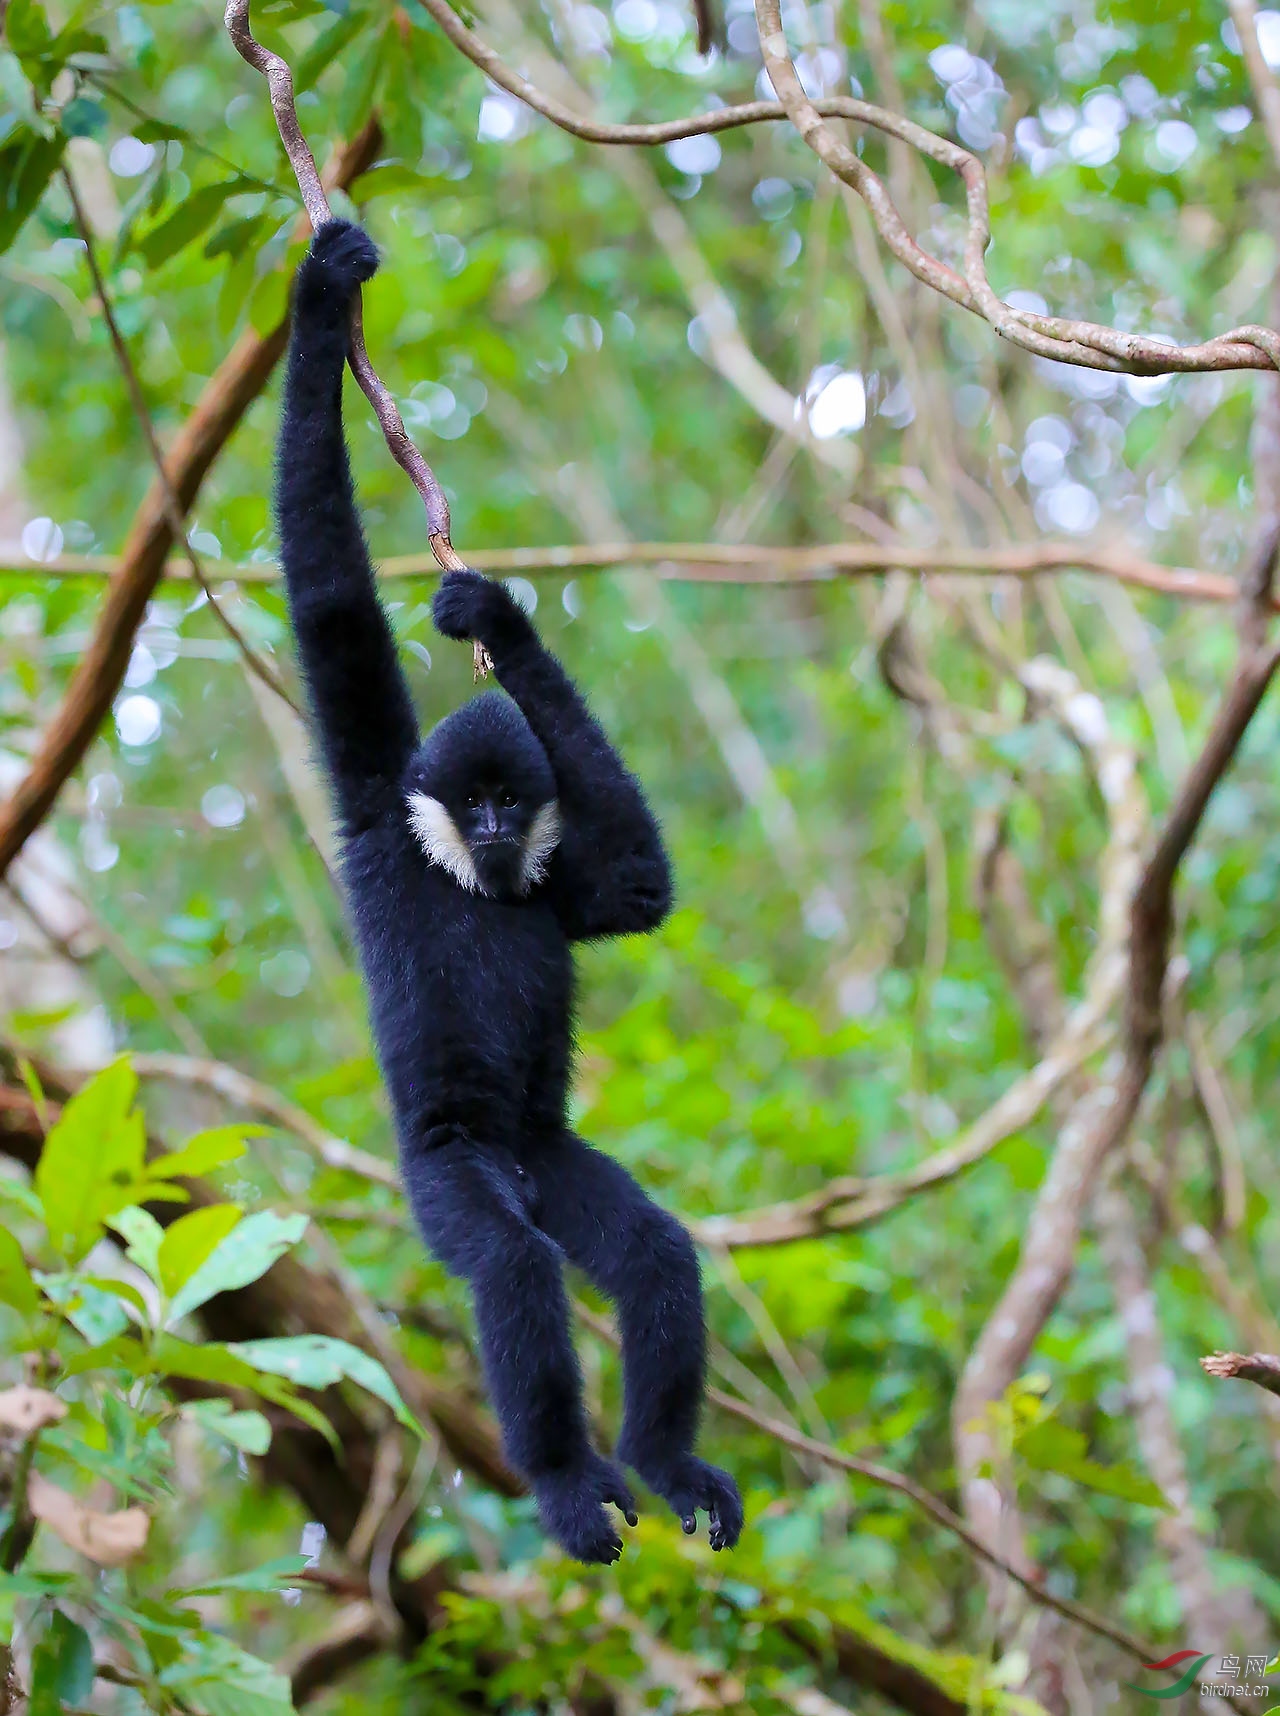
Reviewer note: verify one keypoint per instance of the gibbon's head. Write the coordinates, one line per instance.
(482, 799)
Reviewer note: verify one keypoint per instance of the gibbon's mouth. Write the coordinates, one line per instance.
(497, 840)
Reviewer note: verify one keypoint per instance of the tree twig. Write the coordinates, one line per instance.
(886, 1478)
(403, 450)
(742, 563)
(1087, 344)
(1262, 1368)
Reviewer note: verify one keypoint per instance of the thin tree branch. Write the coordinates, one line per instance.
(1087, 344)
(849, 1203)
(1262, 1368)
(255, 1097)
(403, 451)
(1100, 1119)
(883, 1476)
(98, 674)
(739, 563)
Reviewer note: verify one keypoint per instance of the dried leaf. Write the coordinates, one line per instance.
(26, 1410)
(110, 1539)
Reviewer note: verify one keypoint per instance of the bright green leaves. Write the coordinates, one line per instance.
(211, 1250)
(34, 143)
(270, 1576)
(189, 1242)
(190, 220)
(93, 1172)
(92, 1161)
(16, 1285)
(318, 1361)
(216, 1677)
(246, 1251)
(247, 1430)
(61, 1668)
(203, 1152)
(122, 1369)
(42, 53)
(1051, 1446)
(27, 162)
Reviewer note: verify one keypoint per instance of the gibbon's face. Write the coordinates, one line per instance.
(481, 800)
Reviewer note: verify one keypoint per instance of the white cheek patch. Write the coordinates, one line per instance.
(441, 841)
(540, 842)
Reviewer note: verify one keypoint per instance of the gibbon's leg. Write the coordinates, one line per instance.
(643, 1260)
(473, 1218)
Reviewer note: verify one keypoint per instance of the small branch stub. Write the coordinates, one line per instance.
(1262, 1368)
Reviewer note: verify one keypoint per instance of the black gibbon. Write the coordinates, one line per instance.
(471, 861)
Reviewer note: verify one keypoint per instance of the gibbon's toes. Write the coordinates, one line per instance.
(694, 1484)
(613, 1488)
(572, 1511)
(343, 254)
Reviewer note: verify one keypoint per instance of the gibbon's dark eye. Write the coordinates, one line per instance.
(507, 800)
(473, 801)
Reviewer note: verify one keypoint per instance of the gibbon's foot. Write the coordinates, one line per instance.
(687, 1484)
(468, 605)
(342, 256)
(571, 1507)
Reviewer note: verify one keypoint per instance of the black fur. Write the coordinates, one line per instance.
(471, 994)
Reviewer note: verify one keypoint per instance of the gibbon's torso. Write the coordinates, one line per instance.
(469, 995)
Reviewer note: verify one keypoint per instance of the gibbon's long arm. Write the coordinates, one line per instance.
(610, 874)
(358, 693)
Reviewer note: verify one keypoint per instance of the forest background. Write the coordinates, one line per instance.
(936, 626)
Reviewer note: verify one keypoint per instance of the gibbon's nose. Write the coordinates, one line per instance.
(489, 817)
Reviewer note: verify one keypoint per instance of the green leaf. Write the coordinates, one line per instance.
(161, 131)
(220, 1679)
(378, 181)
(204, 1152)
(120, 1290)
(193, 217)
(269, 1577)
(27, 162)
(213, 1362)
(27, 28)
(247, 1430)
(92, 1312)
(232, 239)
(84, 118)
(21, 1197)
(1051, 1446)
(16, 1286)
(143, 1237)
(190, 1242)
(24, 1583)
(318, 1361)
(363, 69)
(61, 1668)
(247, 1252)
(91, 1160)
(269, 301)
